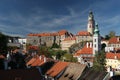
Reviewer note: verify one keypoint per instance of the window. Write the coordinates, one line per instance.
(95, 40)
(95, 45)
(90, 26)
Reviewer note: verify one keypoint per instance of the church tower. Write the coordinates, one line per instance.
(96, 40)
(91, 23)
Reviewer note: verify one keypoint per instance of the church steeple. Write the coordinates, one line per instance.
(91, 22)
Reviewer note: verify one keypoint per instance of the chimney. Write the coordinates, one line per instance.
(90, 44)
(115, 57)
(118, 39)
(40, 57)
(87, 44)
(44, 59)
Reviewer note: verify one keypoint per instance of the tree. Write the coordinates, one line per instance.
(111, 34)
(103, 46)
(69, 57)
(107, 37)
(43, 50)
(3, 43)
(55, 45)
(99, 61)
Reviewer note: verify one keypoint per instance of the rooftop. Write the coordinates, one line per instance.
(83, 33)
(111, 55)
(85, 50)
(57, 68)
(114, 40)
(73, 71)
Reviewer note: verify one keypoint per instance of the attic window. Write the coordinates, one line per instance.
(66, 75)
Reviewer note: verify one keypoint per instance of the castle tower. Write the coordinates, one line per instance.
(91, 23)
(96, 40)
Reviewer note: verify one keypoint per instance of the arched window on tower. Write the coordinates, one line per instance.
(90, 26)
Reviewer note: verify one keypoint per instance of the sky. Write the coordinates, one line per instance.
(21, 17)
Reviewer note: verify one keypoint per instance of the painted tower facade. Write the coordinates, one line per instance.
(91, 23)
(96, 40)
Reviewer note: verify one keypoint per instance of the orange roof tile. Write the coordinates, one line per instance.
(84, 50)
(31, 61)
(62, 32)
(114, 40)
(37, 61)
(69, 38)
(83, 33)
(57, 68)
(112, 55)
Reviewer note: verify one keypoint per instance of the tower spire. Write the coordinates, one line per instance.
(91, 22)
(91, 16)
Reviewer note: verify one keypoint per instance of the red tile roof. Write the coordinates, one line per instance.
(33, 47)
(83, 33)
(2, 57)
(57, 68)
(69, 38)
(38, 61)
(114, 40)
(84, 50)
(62, 32)
(112, 55)
(31, 61)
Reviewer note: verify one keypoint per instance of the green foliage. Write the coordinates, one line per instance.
(55, 45)
(76, 46)
(103, 46)
(99, 61)
(44, 51)
(111, 34)
(3, 43)
(59, 54)
(107, 37)
(69, 57)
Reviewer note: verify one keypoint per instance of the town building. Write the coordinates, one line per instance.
(83, 36)
(87, 53)
(47, 39)
(113, 44)
(113, 60)
(67, 42)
